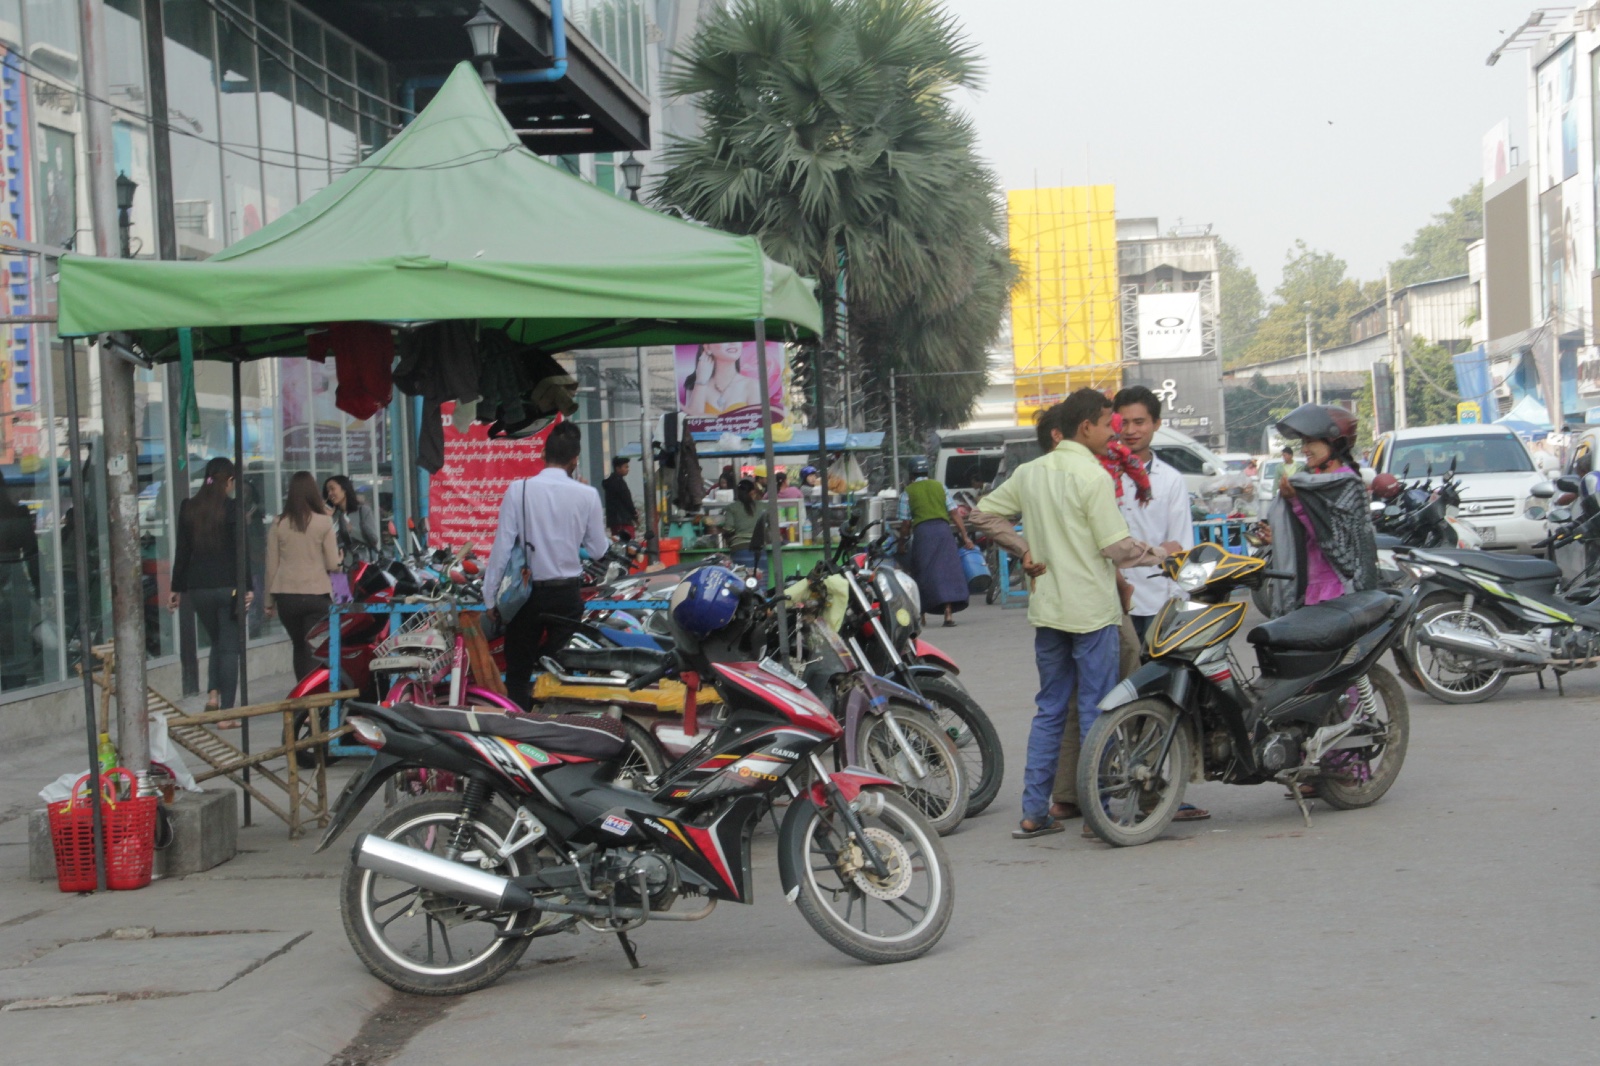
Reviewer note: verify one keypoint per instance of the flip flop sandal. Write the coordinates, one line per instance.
(1188, 812)
(1065, 811)
(950, 623)
(1040, 829)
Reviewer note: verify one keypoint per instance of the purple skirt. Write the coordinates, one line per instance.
(936, 562)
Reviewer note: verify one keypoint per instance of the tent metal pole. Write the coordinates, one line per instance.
(241, 570)
(817, 372)
(774, 527)
(80, 557)
(647, 464)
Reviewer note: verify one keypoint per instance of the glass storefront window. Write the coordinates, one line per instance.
(311, 104)
(276, 102)
(192, 74)
(241, 167)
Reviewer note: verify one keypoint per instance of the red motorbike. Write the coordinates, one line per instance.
(446, 892)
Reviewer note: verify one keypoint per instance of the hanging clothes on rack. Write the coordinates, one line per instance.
(363, 355)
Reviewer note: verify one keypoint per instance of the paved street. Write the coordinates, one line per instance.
(1454, 922)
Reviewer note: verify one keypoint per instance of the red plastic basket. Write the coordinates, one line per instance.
(130, 830)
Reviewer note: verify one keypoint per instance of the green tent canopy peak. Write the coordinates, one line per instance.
(453, 219)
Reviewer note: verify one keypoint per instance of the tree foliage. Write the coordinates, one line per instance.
(1252, 408)
(1439, 249)
(1312, 281)
(827, 132)
(1242, 302)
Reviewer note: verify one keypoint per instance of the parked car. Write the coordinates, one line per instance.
(1494, 470)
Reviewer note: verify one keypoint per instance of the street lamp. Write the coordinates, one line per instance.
(632, 176)
(126, 187)
(484, 31)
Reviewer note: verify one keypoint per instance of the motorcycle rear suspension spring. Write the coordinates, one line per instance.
(473, 794)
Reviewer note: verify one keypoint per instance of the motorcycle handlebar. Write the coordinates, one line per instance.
(646, 680)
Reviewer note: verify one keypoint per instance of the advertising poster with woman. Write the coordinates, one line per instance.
(719, 389)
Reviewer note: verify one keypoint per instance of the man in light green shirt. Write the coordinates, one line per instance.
(1076, 540)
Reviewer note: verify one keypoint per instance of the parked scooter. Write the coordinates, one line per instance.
(1321, 712)
(1485, 617)
(446, 893)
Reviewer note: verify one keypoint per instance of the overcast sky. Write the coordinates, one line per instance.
(1347, 124)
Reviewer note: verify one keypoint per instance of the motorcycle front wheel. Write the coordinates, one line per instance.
(424, 942)
(1127, 792)
(974, 736)
(1451, 676)
(869, 917)
(941, 791)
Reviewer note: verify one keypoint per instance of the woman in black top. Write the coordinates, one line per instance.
(19, 593)
(205, 571)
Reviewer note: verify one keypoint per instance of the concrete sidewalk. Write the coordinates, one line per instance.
(246, 962)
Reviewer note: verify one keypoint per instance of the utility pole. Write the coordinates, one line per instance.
(1310, 395)
(116, 392)
(647, 465)
(1397, 355)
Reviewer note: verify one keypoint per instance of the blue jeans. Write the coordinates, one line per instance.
(1085, 662)
(749, 560)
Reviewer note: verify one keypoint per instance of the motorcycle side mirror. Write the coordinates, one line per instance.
(1568, 483)
(1544, 490)
(1560, 514)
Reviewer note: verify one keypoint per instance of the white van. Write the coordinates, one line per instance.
(1198, 464)
(973, 455)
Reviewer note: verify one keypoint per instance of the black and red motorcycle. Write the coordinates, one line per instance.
(447, 891)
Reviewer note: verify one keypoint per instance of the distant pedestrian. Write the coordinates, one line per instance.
(1076, 540)
(355, 524)
(622, 517)
(205, 569)
(930, 516)
(302, 554)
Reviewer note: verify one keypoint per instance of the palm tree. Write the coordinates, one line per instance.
(828, 133)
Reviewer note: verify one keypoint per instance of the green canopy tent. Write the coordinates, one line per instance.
(453, 219)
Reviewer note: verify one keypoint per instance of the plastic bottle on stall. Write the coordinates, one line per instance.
(108, 754)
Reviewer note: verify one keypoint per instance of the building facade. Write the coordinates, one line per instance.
(268, 102)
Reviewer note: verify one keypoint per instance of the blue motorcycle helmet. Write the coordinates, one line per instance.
(706, 600)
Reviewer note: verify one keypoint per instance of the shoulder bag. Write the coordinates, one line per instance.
(517, 585)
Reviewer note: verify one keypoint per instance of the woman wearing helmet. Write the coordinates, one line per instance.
(927, 513)
(1319, 526)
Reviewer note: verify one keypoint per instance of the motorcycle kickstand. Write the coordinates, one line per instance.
(628, 949)
(1540, 675)
(1560, 688)
(1300, 798)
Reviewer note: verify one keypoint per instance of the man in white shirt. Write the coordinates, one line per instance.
(554, 516)
(1165, 520)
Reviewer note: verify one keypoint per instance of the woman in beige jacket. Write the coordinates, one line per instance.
(302, 551)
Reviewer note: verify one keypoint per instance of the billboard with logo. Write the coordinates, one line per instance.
(1169, 325)
(1187, 389)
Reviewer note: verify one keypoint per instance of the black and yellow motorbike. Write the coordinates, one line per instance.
(1319, 715)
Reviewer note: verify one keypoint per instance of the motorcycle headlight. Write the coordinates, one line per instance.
(1193, 576)
(908, 585)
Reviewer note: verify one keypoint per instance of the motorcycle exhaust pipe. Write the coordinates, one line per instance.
(1454, 638)
(427, 870)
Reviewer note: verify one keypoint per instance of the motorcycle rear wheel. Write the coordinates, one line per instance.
(909, 911)
(1447, 676)
(372, 905)
(974, 736)
(1125, 797)
(942, 794)
(1394, 711)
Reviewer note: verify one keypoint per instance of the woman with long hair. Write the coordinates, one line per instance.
(302, 551)
(745, 521)
(354, 523)
(205, 569)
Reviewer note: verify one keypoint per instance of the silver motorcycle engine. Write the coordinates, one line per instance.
(1278, 751)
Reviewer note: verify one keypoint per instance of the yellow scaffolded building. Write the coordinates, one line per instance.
(1065, 313)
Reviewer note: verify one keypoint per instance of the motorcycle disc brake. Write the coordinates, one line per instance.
(853, 865)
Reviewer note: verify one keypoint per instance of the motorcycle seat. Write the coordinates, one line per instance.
(1385, 540)
(632, 661)
(582, 735)
(1327, 626)
(1509, 567)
